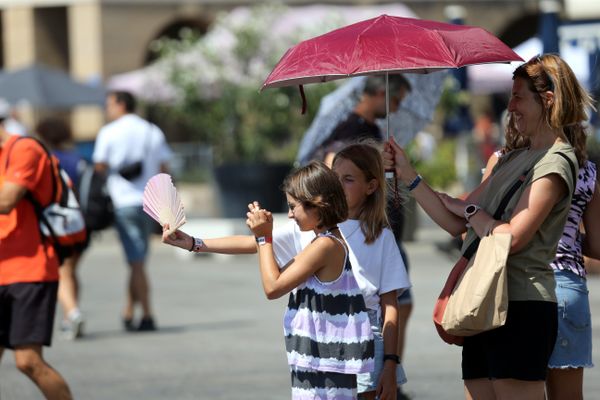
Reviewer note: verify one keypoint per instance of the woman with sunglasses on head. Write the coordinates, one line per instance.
(546, 108)
(573, 348)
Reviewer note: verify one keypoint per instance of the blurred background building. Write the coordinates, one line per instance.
(95, 39)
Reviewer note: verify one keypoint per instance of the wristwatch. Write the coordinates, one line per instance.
(471, 210)
(197, 245)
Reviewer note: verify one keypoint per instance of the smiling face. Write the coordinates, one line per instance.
(306, 218)
(525, 107)
(355, 184)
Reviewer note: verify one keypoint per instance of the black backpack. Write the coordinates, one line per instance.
(94, 199)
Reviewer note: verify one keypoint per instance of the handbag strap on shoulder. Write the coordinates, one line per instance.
(499, 211)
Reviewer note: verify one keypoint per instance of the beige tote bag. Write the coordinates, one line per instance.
(479, 301)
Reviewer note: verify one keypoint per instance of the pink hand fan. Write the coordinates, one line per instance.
(162, 202)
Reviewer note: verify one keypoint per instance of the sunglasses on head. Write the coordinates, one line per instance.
(538, 59)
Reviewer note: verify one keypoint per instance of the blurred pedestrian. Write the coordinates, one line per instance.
(546, 106)
(130, 150)
(12, 123)
(58, 137)
(29, 264)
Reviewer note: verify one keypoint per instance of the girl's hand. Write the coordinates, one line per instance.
(177, 238)
(394, 158)
(387, 386)
(452, 204)
(260, 221)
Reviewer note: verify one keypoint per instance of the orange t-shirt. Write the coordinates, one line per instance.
(24, 257)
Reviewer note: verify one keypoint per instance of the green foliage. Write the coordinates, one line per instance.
(439, 171)
(218, 99)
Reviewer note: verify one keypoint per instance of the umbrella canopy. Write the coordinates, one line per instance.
(45, 87)
(414, 113)
(387, 44)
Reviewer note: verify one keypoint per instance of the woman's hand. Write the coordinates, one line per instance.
(260, 221)
(177, 238)
(395, 159)
(452, 204)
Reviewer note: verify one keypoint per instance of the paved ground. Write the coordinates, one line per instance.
(220, 338)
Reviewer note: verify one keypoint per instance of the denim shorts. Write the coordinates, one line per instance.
(573, 348)
(134, 227)
(367, 382)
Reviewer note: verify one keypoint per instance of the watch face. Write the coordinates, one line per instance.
(470, 209)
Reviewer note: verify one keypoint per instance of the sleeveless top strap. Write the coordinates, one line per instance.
(328, 234)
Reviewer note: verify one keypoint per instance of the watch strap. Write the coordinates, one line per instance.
(262, 240)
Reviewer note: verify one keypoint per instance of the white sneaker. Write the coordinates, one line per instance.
(72, 328)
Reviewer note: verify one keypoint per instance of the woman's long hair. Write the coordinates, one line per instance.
(568, 112)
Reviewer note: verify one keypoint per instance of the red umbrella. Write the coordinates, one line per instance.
(387, 44)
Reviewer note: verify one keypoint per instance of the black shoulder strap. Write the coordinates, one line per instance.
(499, 211)
(572, 167)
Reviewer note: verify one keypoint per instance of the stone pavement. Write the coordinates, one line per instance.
(219, 337)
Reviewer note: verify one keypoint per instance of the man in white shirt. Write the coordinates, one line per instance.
(130, 150)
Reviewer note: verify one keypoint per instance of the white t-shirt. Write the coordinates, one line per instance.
(378, 267)
(123, 142)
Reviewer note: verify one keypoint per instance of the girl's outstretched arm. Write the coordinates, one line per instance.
(240, 244)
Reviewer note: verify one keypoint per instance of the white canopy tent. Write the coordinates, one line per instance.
(497, 78)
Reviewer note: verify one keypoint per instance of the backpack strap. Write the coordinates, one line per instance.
(54, 165)
(37, 206)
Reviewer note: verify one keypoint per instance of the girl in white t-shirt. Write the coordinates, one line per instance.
(376, 261)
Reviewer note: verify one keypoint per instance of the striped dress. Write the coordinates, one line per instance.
(328, 336)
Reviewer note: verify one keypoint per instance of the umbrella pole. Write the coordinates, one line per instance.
(388, 174)
(387, 105)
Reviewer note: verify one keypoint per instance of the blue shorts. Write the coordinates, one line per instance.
(134, 227)
(573, 348)
(368, 382)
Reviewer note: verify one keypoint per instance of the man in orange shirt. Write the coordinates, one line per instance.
(28, 264)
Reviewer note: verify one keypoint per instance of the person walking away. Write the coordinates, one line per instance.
(29, 264)
(58, 137)
(546, 102)
(130, 150)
